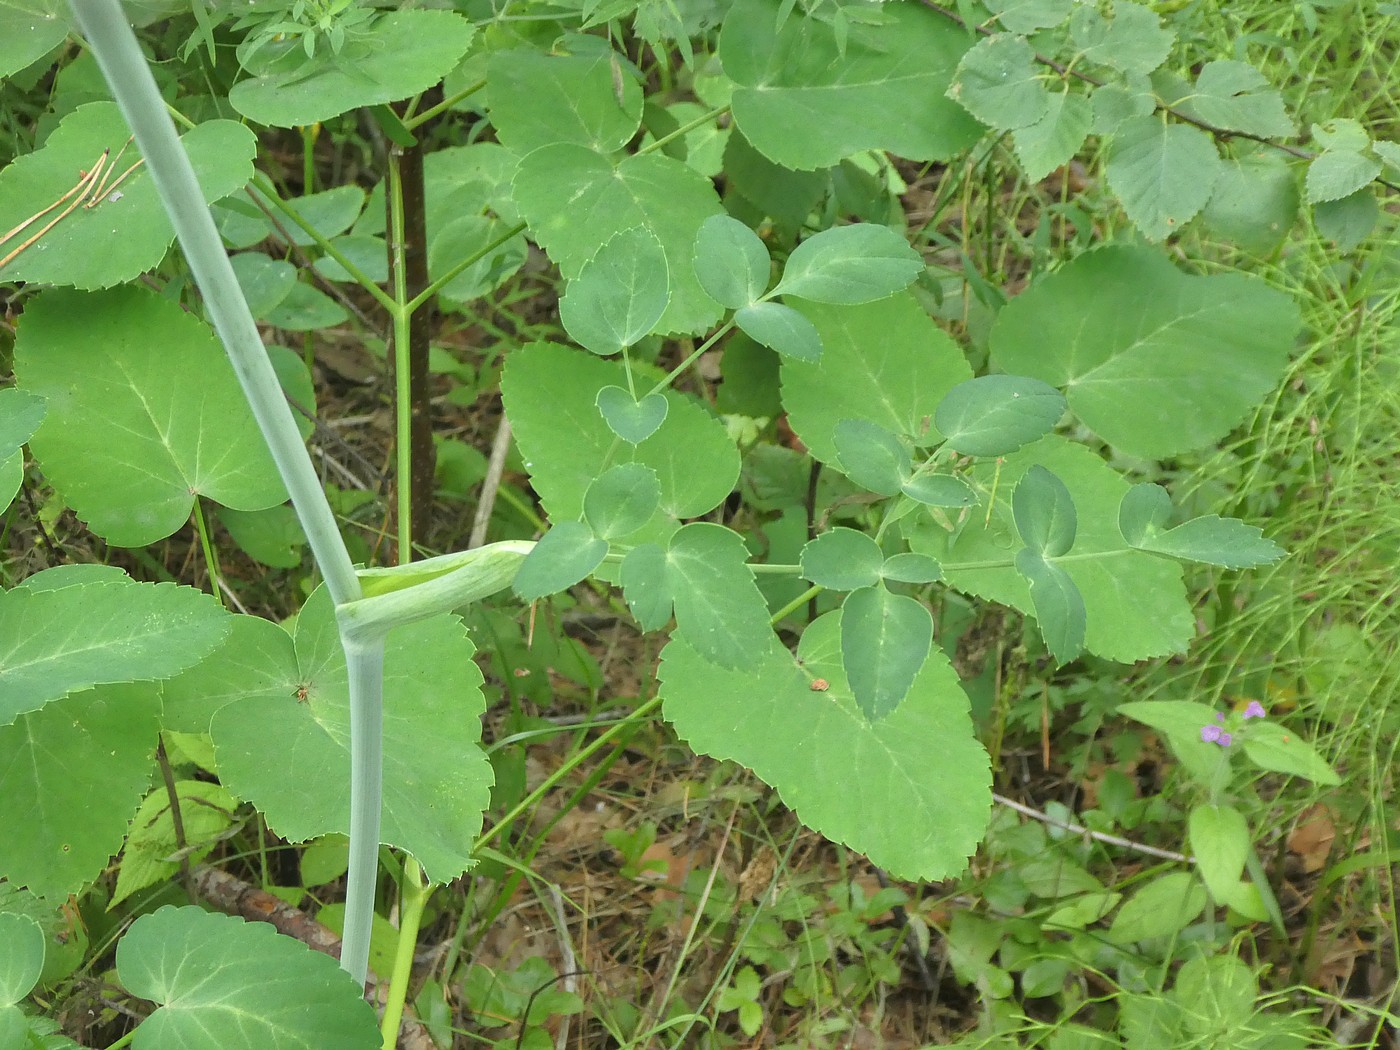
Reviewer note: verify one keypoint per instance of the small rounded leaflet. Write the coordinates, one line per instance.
(731, 262)
(619, 295)
(871, 456)
(850, 265)
(780, 328)
(621, 500)
(1044, 513)
(23, 958)
(842, 560)
(998, 83)
(997, 414)
(564, 555)
(939, 490)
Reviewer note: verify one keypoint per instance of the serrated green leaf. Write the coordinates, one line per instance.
(850, 265)
(1343, 133)
(1349, 221)
(1389, 152)
(842, 559)
(1338, 173)
(1112, 104)
(998, 82)
(731, 262)
(1271, 746)
(911, 791)
(1135, 602)
(621, 500)
(1129, 39)
(633, 421)
(644, 586)
(719, 610)
(536, 99)
(1237, 97)
(564, 555)
(871, 456)
(1162, 173)
(1027, 16)
(1177, 363)
(61, 640)
(807, 98)
(885, 639)
(127, 232)
(939, 490)
(780, 193)
(780, 328)
(143, 418)
(1219, 838)
(652, 191)
(997, 414)
(23, 958)
(619, 295)
(397, 55)
(1044, 513)
(1054, 139)
(293, 714)
(1058, 605)
(83, 762)
(224, 984)
(911, 568)
(550, 395)
(886, 362)
(1255, 202)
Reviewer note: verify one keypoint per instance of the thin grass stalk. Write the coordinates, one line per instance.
(115, 48)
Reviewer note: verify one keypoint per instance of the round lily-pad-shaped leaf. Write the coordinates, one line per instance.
(226, 984)
(118, 228)
(144, 413)
(911, 791)
(400, 54)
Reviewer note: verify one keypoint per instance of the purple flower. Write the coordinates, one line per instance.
(1254, 710)
(1213, 734)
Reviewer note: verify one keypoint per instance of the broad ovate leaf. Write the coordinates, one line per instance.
(807, 98)
(1176, 363)
(911, 791)
(144, 413)
(1163, 173)
(536, 99)
(1219, 839)
(1056, 137)
(731, 262)
(1135, 603)
(606, 196)
(225, 984)
(284, 745)
(850, 265)
(885, 362)
(997, 414)
(398, 54)
(72, 775)
(125, 231)
(885, 639)
(1237, 97)
(999, 83)
(1227, 542)
(619, 295)
(1272, 746)
(66, 638)
(551, 396)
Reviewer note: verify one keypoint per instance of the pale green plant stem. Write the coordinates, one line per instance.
(403, 393)
(122, 63)
(414, 898)
(211, 562)
(442, 107)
